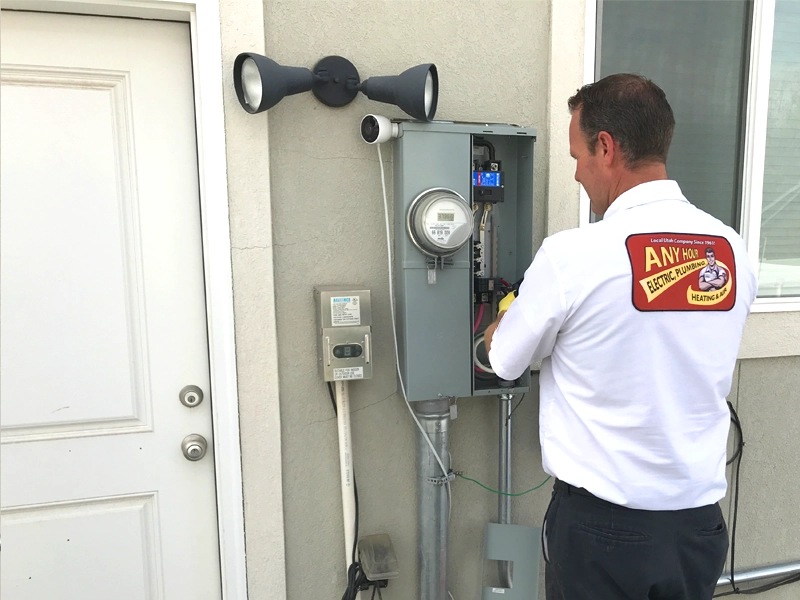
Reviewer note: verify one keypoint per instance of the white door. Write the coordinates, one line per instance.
(102, 315)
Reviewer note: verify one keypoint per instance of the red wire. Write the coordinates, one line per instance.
(478, 320)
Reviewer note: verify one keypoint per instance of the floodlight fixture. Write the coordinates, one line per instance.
(415, 91)
(261, 83)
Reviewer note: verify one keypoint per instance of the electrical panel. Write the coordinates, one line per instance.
(344, 328)
(463, 208)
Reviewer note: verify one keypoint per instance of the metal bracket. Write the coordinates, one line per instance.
(441, 480)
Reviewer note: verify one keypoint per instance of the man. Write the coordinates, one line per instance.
(636, 363)
(712, 276)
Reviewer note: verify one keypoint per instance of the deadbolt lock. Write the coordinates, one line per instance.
(191, 396)
(194, 446)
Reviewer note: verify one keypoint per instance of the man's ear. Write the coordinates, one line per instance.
(607, 147)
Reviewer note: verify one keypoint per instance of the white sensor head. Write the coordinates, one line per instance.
(376, 129)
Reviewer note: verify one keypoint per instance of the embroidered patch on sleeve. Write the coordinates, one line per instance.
(675, 271)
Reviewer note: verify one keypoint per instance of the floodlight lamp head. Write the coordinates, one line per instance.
(415, 90)
(261, 83)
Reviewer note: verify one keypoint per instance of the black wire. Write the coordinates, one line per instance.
(508, 418)
(355, 537)
(333, 398)
(739, 453)
(355, 580)
(738, 426)
(734, 523)
(479, 141)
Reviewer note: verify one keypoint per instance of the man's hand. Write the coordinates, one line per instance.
(502, 307)
(489, 333)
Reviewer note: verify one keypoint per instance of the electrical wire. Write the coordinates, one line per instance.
(478, 340)
(425, 436)
(486, 487)
(333, 398)
(478, 318)
(738, 427)
(508, 418)
(738, 454)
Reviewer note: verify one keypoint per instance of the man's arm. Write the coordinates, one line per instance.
(527, 330)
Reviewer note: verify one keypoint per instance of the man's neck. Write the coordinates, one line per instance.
(629, 179)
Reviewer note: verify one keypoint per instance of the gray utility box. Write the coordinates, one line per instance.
(438, 300)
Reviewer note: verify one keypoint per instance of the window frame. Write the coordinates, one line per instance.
(755, 144)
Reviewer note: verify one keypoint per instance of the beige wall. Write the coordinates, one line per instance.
(320, 185)
(242, 29)
(766, 395)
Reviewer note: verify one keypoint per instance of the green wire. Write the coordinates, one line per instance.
(486, 487)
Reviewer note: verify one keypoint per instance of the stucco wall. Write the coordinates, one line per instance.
(247, 149)
(328, 215)
(766, 395)
(319, 185)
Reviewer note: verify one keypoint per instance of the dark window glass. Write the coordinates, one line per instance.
(696, 51)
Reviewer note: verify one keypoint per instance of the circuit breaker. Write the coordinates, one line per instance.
(344, 328)
(463, 202)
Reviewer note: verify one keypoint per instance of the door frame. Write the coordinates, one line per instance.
(204, 20)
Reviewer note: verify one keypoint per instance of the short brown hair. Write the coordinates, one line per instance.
(630, 108)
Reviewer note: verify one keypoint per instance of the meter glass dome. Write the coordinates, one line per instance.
(440, 222)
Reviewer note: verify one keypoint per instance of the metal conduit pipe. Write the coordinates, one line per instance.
(761, 573)
(504, 483)
(432, 503)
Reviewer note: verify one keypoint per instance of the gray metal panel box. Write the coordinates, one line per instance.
(435, 320)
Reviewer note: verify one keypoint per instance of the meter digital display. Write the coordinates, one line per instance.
(347, 350)
(448, 216)
(486, 178)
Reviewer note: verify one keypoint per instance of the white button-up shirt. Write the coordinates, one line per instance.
(637, 359)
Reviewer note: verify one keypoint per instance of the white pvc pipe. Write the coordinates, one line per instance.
(346, 468)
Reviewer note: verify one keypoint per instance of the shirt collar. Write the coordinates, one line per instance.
(645, 193)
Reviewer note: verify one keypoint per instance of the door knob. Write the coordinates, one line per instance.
(191, 396)
(194, 446)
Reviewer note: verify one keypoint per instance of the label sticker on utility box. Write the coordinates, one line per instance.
(348, 373)
(345, 311)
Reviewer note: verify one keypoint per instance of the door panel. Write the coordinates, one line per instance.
(102, 314)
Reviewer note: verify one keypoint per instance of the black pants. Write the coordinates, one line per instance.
(596, 550)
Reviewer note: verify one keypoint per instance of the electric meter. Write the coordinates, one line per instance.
(439, 222)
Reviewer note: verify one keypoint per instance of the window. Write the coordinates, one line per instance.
(731, 70)
(779, 244)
